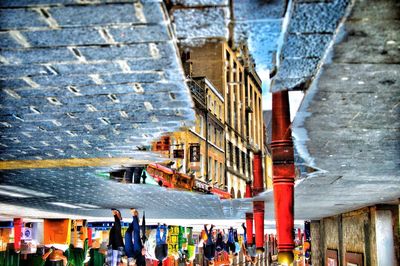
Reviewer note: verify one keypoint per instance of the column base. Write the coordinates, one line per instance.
(260, 250)
(285, 257)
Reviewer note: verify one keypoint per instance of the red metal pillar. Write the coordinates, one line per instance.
(249, 215)
(17, 233)
(283, 175)
(89, 236)
(258, 206)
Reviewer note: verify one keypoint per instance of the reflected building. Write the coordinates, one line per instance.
(235, 123)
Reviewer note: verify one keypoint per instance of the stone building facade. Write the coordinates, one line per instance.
(233, 74)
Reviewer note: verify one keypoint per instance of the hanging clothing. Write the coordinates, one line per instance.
(115, 240)
(209, 247)
(114, 257)
(96, 258)
(150, 245)
(77, 256)
(57, 231)
(161, 250)
(9, 258)
(219, 245)
(191, 248)
(244, 235)
(133, 242)
(231, 241)
(116, 244)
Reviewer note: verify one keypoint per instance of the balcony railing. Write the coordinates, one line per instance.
(198, 92)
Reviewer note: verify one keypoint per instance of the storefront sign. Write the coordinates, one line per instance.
(200, 186)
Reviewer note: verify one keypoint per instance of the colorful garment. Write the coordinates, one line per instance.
(114, 256)
(96, 258)
(77, 256)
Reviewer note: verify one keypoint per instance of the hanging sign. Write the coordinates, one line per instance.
(195, 152)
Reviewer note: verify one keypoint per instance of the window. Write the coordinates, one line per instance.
(237, 153)
(201, 132)
(221, 173)
(244, 166)
(216, 173)
(226, 180)
(227, 66)
(210, 177)
(234, 70)
(228, 105)
(201, 165)
(230, 153)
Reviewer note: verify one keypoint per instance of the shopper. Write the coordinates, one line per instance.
(134, 245)
(209, 247)
(161, 250)
(115, 244)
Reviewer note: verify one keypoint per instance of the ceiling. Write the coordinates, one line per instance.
(81, 94)
(75, 85)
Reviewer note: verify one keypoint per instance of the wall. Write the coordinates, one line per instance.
(355, 232)
(208, 62)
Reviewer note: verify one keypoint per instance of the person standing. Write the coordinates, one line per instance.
(115, 244)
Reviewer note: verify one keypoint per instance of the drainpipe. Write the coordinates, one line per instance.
(206, 155)
(258, 206)
(249, 215)
(283, 175)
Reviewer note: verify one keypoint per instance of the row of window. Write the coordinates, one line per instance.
(238, 159)
(215, 135)
(215, 107)
(236, 103)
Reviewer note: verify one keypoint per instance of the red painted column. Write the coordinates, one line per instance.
(249, 215)
(258, 206)
(17, 233)
(89, 236)
(283, 172)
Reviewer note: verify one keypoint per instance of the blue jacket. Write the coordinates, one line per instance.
(133, 243)
(161, 240)
(231, 238)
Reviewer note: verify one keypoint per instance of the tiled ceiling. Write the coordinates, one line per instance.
(86, 79)
(87, 192)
